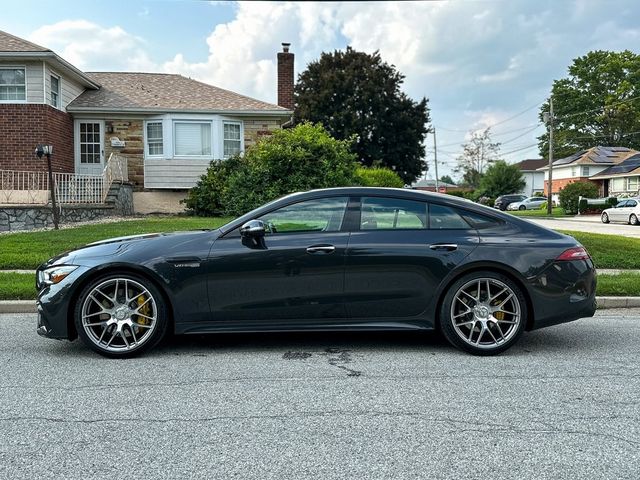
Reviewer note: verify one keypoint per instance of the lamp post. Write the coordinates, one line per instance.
(47, 150)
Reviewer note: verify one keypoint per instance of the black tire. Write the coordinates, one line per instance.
(604, 218)
(633, 220)
(146, 340)
(522, 207)
(454, 334)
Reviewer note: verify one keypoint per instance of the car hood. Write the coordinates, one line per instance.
(121, 245)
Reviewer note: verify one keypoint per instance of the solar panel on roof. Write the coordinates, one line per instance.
(619, 149)
(625, 167)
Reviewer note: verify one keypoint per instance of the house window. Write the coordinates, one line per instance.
(192, 139)
(13, 85)
(55, 91)
(585, 171)
(154, 139)
(574, 172)
(632, 183)
(232, 141)
(617, 185)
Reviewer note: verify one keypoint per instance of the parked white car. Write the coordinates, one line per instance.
(531, 203)
(627, 211)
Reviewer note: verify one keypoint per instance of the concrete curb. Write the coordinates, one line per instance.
(29, 306)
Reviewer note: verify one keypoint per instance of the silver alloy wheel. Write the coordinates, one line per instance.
(485, 313)
(119, 315)
(604, 218)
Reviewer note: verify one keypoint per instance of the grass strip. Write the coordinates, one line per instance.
(26, 250)
(555, 212)
(21, 286)
(610, 251)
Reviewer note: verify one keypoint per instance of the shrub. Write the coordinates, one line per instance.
(543, 206)
(205, 199)
(569, 195)
(300, 158)
(378, 177)
(488, 201)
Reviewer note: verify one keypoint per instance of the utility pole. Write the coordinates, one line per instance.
(435, 156)
(550, 181)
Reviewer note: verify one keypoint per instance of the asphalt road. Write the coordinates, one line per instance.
(563, 403)
(588, 224)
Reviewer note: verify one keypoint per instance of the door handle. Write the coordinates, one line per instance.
(321, 249)
(445, 247)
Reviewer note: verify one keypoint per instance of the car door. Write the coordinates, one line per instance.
(630, 208)
(398, 254)
(295, 272)
(619, 212)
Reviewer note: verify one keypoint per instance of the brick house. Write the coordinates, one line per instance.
(584, 165)
(168, 126)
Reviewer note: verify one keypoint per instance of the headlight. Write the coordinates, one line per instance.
(56, 274)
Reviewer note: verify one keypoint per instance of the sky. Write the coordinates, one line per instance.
(480, 63)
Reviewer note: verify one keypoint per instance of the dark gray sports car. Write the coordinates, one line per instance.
(336, 259)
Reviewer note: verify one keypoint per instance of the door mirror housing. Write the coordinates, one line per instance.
(253, 229)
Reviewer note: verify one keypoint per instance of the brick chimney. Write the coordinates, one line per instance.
(285, 77)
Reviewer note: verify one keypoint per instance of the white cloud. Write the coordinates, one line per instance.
(89, 46)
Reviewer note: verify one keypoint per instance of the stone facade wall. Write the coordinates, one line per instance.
(131, 132)
(256, 128)
(24, 126)
(28, 217)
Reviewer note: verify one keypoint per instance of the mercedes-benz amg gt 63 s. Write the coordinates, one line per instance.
(335, 259)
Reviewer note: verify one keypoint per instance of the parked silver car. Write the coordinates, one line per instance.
(627, 211)
(531, 203)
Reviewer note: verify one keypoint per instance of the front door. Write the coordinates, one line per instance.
(89, 146)
(294, 274)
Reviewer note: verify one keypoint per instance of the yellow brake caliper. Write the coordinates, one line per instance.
(144, 309)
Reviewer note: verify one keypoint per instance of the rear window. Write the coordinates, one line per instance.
(445, 218)
(479, 221)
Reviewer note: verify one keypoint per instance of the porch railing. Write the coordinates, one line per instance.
(18, 187)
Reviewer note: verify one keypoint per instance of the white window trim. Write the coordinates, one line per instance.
(197, 121)
(168, 135)
(222, 139)
(26, 83)
(161, 121)
(53, 74)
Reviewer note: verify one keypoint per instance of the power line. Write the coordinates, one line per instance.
(597, 109)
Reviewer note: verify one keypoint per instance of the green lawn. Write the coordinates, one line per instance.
(610, 251)
(21, 286)
(556, 212)
(29, 249)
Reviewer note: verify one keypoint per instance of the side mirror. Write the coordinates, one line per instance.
(253, 229)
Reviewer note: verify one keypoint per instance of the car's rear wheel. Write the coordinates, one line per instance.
(522, 207)
(633, 220)
(483, 313)
(120, 315)
(605, 218)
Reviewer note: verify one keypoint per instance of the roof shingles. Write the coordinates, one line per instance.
(162, 92)
(11, 43)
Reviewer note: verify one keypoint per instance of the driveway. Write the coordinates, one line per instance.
(588, 224)
(561, 404)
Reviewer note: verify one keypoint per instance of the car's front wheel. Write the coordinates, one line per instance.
(522, 207)
(483, 313)
(120, 315)
(604, 218)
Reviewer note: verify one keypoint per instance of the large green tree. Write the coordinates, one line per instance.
(478, 153)
(597, 104)
(502, 179)
(357, 96)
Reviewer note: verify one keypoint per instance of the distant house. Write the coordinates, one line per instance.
(533, 177)
(585, 165)
(621, 179)
(168, 127)
(429, 185)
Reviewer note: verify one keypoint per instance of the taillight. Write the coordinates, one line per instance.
(575, 253)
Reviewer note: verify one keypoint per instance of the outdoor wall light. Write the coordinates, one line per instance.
(47, 151)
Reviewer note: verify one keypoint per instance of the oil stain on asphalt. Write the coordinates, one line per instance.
(336, 357)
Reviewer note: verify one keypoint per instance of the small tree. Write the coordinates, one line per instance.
(478, 153)
(301, 158)
(501, 179)
(447, 179)
(570, 194)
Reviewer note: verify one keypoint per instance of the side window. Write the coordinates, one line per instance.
(441, 218)
(378, 213)
(621, 204)
(631, 203)
(322, 215)
(479, 221)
